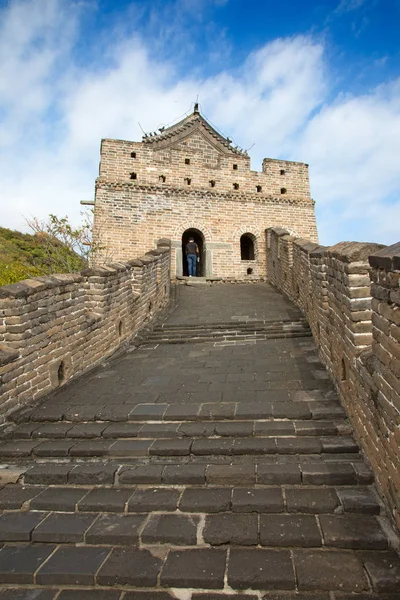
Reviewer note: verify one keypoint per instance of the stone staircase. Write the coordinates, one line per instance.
(248, 330)
(245, 483)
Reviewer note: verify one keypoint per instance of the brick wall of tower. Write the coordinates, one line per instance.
(130, 221)
(350, 295)
(190, 184)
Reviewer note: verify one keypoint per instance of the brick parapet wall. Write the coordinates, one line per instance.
(55, 328)
(153, 165)
(385, 288)
(350, 295)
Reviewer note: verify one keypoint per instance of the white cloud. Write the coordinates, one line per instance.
(353, 147)
(350, 5)
(278, 99)
(271, 95)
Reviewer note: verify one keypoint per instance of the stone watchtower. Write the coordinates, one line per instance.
(188, 180)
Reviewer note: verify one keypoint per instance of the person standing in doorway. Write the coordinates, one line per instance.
(192, 255)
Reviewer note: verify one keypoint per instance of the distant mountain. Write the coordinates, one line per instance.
(23, 255)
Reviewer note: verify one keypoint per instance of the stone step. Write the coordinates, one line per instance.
(246, 324)
(253, 471)
(358, 532)
(226, 336)
(147, 593)
(210, 411)
(127, 430)
(126, 448)
(159, 339)
(209, 569)
(235, 326)
(222, 331)
(190, 499)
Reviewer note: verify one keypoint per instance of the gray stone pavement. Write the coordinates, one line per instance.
(230, 303)
(195, 471)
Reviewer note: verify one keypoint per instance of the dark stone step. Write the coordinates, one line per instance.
(241, 411)
(248, 324)
(98, 570)
(228, 338)
(131, 430)
(125, 448)
(218, 333)
(273, 326)
(359, 532)
(275, 499)
(335, 472)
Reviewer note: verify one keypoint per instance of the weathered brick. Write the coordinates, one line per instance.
(201, 568)
(260, 570)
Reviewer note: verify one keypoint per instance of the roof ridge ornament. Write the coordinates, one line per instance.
(195, 119)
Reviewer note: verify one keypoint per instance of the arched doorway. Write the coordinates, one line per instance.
(199, 239)
(247, 247)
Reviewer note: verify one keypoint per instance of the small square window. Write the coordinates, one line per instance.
(283, 171)
(133, 176)
(187, 161)
(235, 186)
(259, 188)
(235, 167)
(188, 181)
(133, 154)
(283, 190)
(212, 183)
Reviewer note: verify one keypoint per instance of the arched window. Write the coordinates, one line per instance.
(247, 247)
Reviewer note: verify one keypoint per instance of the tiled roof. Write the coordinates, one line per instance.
(192, 122)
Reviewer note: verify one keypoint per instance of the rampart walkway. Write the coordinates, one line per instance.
(218, 469)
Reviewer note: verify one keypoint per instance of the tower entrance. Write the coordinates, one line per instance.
(199, 239)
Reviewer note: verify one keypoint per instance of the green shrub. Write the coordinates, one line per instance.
(16, 271)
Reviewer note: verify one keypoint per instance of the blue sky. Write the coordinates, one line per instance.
(317, 82)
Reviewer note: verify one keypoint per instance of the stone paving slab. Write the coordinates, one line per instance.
(58, 499)
(230, 528)
(261, 569)
(18, 564)
(329, 570)
(202, 500)
(151, 499)
(14, 496)
(172, 529)
(258, 500)
(105, 500)
(352, 531)
(27, 594)
(18, 526)
(63, 528)
(130, 566)
(72, 566)
(202, 568)
(115, 530)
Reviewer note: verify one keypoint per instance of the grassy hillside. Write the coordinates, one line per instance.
(23, 255)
